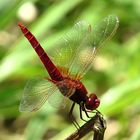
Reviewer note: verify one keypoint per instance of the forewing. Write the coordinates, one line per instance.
(105, 30)
(35, 94)
(92, 41)
(75, 52)
(84, 53)
(68, 46)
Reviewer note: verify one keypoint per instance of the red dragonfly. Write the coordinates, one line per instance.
(69, 67)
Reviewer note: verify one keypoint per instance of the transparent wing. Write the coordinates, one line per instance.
(67, 47)
(77, 49)
(84, 53)
(92, 41)
(35, 94)
(58, 100)
(105, 30)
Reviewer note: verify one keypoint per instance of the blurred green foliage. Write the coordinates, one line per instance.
(115, 76)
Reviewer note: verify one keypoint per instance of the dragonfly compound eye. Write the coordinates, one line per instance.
(92, 102)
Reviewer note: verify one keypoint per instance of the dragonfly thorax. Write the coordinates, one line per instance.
(68, 86)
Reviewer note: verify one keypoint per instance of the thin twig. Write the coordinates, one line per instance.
(96, 124)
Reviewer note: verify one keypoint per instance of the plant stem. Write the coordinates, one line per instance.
(97, 124)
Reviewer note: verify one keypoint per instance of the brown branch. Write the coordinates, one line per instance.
(96, 124)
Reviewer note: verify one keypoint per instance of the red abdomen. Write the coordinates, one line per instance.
(51, 68)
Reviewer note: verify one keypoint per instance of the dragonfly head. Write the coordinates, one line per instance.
(92, 102)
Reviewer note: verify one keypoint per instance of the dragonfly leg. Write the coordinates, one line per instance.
(87, 111)
(80, 108)
(72, 118)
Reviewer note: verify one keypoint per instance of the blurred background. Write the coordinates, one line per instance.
(115, 75)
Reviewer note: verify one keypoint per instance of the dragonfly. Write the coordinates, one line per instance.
(73, 57)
